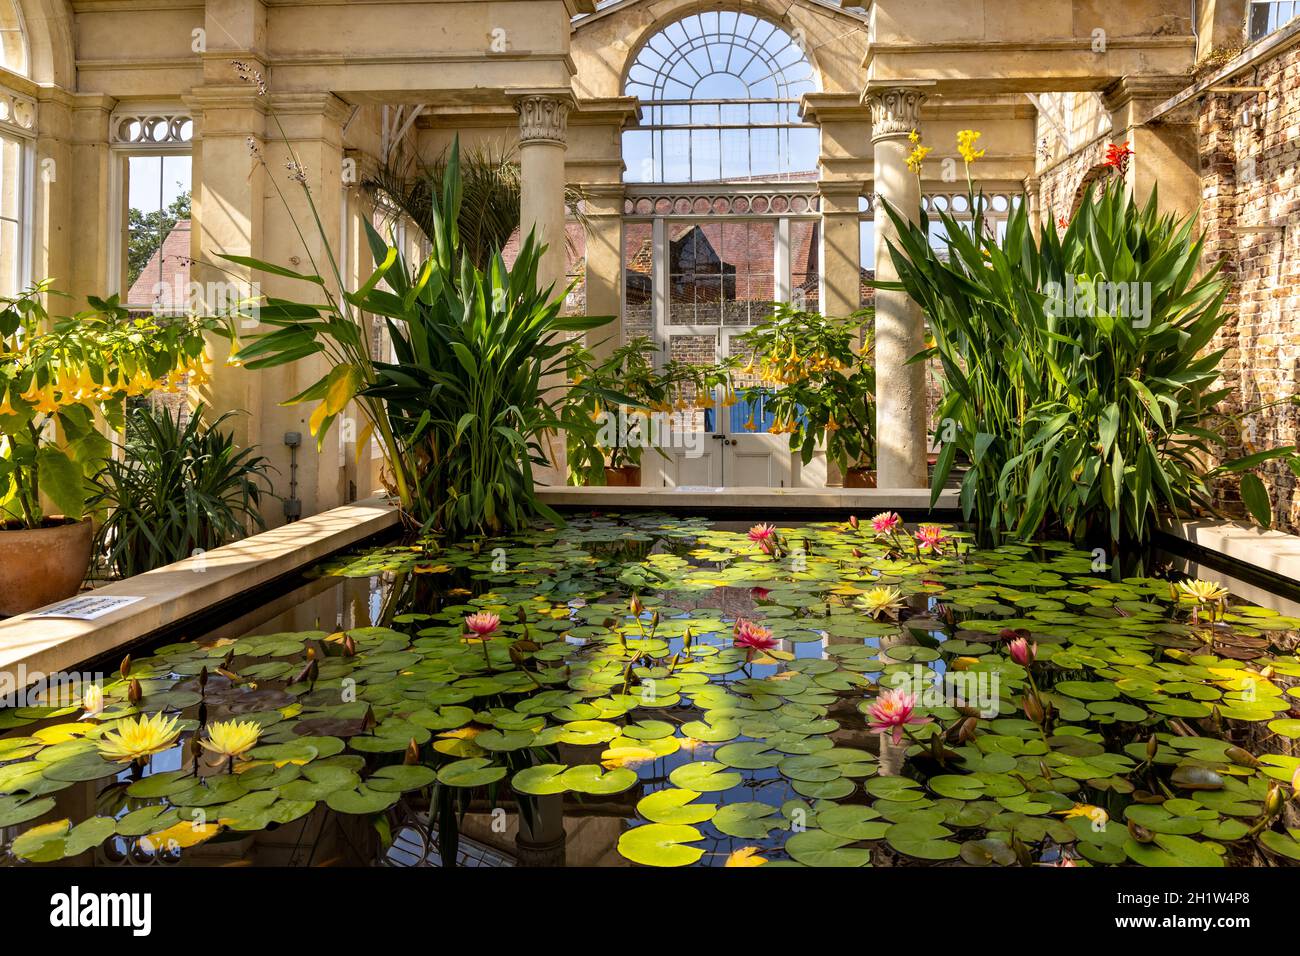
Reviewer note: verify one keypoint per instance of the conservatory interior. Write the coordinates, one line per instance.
(650, 433)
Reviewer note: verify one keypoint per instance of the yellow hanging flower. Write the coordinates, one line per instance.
(966, 140)
(139, 739)
(749, 426)
(5, 407)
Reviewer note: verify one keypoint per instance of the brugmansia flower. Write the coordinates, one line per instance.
(482, 623)
(892, 711)
(752, 637)
(930, 537)
(232, 738)
(880, 601)
(139, 739)
(966, 140)
(887, 522)
(1022, 652)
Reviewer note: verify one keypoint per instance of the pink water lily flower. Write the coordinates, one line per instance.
(753, 637)
(892, 711)
(762, 533)
(930, 537)
(1022, 652)
(887, 522)
(482, 623)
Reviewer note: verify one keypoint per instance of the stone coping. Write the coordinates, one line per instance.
(187, 588)
(1273, 552)
(753, 501)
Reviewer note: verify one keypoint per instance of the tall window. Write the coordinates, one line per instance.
(1266, 16)
(719, 94)
(13, 39)
(17, 127)
(154, 163)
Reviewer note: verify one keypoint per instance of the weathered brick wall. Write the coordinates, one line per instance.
(1251, 179)
(1061, 186)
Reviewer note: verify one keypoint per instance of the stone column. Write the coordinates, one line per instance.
(605, 265)
(543, 128)
(543, 133)
(900, 325)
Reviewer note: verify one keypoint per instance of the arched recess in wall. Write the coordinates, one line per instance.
(13, 38)
(719, 91)
(1094, 175)
(50, 58)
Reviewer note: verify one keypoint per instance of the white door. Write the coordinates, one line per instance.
(754, 456)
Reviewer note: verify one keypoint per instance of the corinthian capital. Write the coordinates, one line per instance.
(543, 118)
(895, 112)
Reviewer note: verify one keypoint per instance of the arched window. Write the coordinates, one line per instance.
(719, 93)
(13, 39)
(17, 128)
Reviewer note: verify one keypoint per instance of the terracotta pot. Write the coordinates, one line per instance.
(625, 476)
(43, 566)
(860, 476)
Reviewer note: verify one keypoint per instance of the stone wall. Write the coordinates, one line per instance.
(1061, 187)
(1251, 180)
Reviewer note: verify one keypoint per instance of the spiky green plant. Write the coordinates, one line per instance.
(1079, 388)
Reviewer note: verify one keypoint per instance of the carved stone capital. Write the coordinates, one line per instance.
(542, 118)
(895, 112)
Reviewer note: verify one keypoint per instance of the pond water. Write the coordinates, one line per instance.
(1036, 708)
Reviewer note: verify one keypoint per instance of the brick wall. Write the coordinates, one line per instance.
(1251, 178)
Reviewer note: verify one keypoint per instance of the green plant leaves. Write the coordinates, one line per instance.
(659, 844)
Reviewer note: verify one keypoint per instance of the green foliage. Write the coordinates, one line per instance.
(57, 375)
(491, 189)
(1078, 385)
(477, 385)
(1143, 687)
(817, 382)
(175, 490)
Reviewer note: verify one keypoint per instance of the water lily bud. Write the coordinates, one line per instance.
(125, 669)
(412, 756)
(203, 678)
(1273, 801)
(349, 646)
(1140, 833)
(635, 606)
(857, 553)
(1034, 709)
(1241, 757)
(1295, 784)
(134, 692)
(1153, 745)
(853, 522)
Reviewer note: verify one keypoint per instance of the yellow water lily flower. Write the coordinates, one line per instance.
(879, 601)
(232, 738)
(136, 740)
(746, 856)
(1096, 814)
(1201, 592)
(92, 701)
(966, 140)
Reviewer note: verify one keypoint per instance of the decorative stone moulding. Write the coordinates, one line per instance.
(542, 119)
(152, 128)
(894, 112)
(17, 112)
(725, 204)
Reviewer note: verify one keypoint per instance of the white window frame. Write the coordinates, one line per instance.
(122, 150)
(25, 137)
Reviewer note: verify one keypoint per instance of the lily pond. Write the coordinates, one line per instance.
(645, 689)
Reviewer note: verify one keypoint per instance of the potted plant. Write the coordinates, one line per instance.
(58, 379)
(819, 385)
